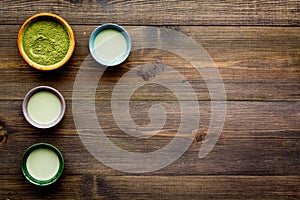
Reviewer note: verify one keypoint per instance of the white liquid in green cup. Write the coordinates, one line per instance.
(44, 107)
(42, 164)
(110, 45)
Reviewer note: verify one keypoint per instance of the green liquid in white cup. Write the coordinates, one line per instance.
(44, 107)
(42, 164)
(110, 45)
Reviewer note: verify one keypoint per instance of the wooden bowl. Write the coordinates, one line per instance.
(51, 17)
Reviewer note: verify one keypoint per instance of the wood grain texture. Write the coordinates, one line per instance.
(157, 187)
(72, 187)
(170, 12)
(259, 138)
(254, 44)
(256, 63)
(205, 187)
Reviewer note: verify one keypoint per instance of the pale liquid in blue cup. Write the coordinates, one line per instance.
(110, 44)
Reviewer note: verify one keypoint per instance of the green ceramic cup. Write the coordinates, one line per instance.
(42, 164)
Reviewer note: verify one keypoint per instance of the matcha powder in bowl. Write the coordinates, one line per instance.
(46, 41)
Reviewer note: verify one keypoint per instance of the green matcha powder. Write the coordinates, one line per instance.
(46, 42)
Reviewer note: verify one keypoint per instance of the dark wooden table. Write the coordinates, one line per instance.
(254, 44)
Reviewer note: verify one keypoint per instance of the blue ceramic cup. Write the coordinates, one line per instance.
(110, 44)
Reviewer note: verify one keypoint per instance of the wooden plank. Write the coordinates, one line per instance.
(97, 186)
(259, 138)
(256, 63)
(170, 12)
(204, 187)
(245, 118)
(67, 187)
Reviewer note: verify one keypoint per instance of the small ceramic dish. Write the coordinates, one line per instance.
(44, 107)
(42, 164)
(110, 44)
(46, 41)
